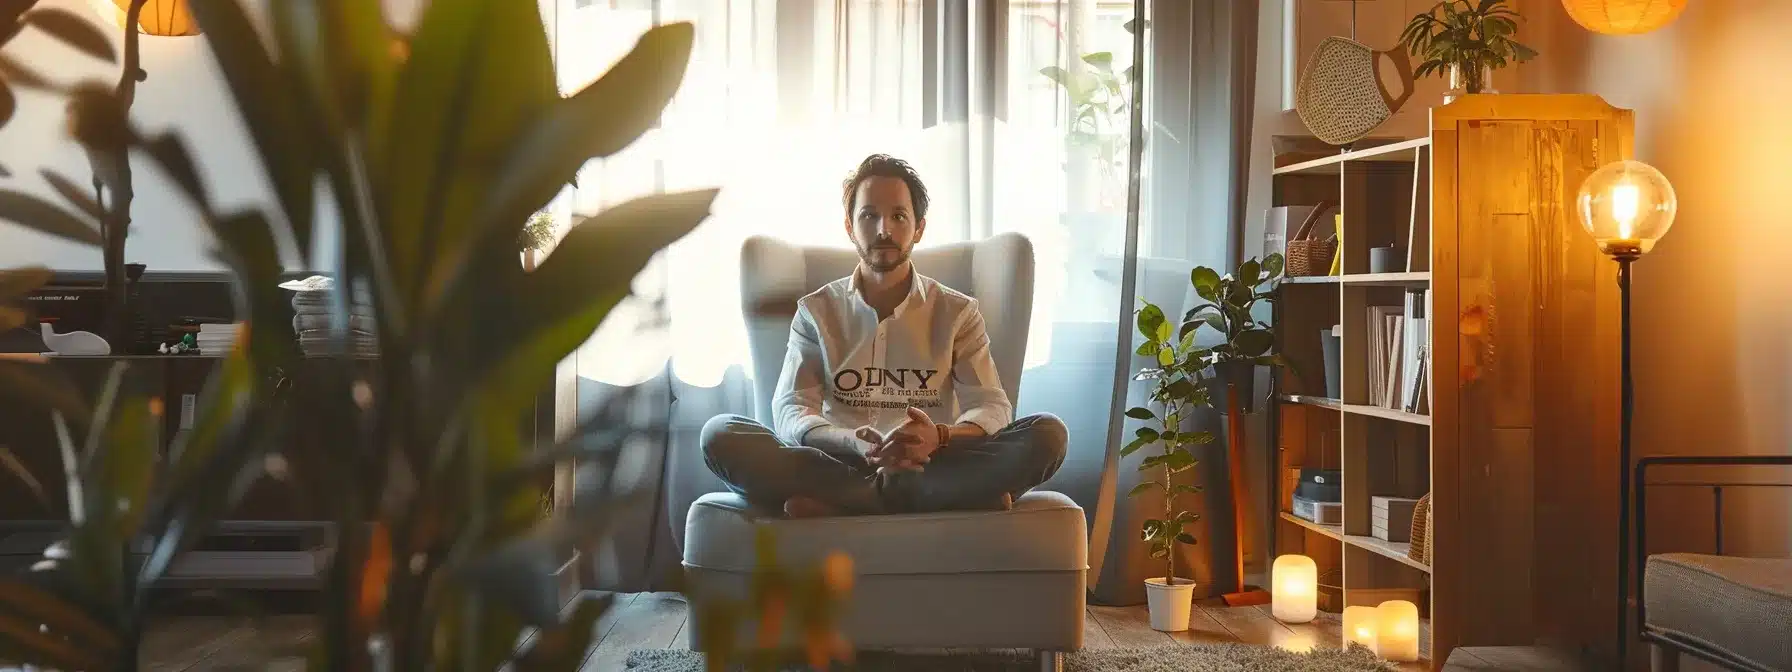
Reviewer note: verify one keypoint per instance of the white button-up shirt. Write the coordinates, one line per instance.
(846, 368)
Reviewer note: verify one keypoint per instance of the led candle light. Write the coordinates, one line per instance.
(1359, 626)
(1397, 631)
(1296, 595)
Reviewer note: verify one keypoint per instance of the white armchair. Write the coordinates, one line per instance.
(998, 579)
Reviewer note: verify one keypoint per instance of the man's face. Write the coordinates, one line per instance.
(883, 225)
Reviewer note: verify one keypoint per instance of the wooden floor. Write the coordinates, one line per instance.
(657, 620)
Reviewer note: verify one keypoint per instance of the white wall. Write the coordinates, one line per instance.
(184, 92)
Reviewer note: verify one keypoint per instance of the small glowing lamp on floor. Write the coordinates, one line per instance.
(1397, 631)
(1295, 598)
(1359, 626)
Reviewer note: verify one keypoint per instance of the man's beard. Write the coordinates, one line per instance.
(883, 257)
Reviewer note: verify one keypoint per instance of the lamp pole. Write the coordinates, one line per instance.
(1625, 400)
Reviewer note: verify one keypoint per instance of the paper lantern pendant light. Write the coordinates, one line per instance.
(163, 18)
(1623, 17)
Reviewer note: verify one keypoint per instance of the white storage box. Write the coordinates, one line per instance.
(1392, 519)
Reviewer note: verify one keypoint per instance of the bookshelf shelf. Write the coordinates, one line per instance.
(1398, 152)
(1403, 279)
(1393, 550)
(1333, 531)
(1387, 414)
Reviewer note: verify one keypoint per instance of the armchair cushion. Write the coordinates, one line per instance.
(1042, 533)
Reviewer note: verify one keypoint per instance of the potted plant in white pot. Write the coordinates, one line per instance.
(1465, 41)
(1179, 389)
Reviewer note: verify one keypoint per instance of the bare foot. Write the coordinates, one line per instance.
(807, 507)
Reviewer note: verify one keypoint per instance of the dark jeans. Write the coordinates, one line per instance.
(969, 474)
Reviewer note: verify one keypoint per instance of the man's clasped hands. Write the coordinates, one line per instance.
(906, 448)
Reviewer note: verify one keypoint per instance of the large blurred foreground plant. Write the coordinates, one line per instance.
(435, 150)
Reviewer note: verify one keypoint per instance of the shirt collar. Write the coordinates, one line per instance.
(917, 290)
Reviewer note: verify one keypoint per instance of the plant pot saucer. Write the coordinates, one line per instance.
(1250, 596)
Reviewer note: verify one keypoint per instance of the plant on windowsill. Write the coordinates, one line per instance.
(1247, 343)
(1178, 389)
(535, 236)
(1465, 41)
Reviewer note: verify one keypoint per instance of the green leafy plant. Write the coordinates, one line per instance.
(1474, 37)
(1230, 310)
(1179, 387)
(435, 148)
(1098, 106)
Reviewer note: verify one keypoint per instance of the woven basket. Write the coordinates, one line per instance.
(1420, 550)
(1307, 256)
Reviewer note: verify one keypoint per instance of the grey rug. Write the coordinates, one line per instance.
(1234, 657)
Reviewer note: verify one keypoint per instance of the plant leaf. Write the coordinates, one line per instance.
(1140, 413)
(1254, 342)
(1142, 488)
(74, 31)
(1151, 528)
(170, 152)
(558, 307)
(1150, 317)
(45, 217)
(564, 647)
(17, 282)
(1146, 432)
(1273, 266)
(481, 76)
(128, 464)
(1186, 538)
(75, 195)
(35, 382)
(1134, 446)
(1206, 282)
(1148, 349)
(600, 120)
(1183, 489)
(270, 110)
(23, 473)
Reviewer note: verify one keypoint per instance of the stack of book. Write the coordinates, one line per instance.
(217, 339)
(1400, 355)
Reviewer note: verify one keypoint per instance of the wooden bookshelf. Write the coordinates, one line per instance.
(1521, 404)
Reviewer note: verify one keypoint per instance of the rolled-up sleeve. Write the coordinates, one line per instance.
(796, 403)
(975, 381)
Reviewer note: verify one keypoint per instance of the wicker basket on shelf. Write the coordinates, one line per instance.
(1420, 549)
(1307, 256)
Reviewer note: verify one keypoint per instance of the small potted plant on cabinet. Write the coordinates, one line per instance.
(1465, 41)
(1179, 388)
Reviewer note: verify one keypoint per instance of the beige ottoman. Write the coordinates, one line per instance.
(983, 580)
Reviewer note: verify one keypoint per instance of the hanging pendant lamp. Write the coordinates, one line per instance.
(162, 18)
(1623, 17)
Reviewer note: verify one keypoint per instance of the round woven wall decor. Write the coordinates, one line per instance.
(1339, 97)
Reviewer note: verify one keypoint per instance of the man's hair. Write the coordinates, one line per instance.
(884, 165)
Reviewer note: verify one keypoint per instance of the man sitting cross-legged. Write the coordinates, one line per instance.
(889, 401)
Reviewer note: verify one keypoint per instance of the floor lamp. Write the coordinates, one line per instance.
(1626, 206)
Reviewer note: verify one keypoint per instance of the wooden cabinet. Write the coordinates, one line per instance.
(1517, 437)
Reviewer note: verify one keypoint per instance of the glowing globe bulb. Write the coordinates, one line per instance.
(1626, 206)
